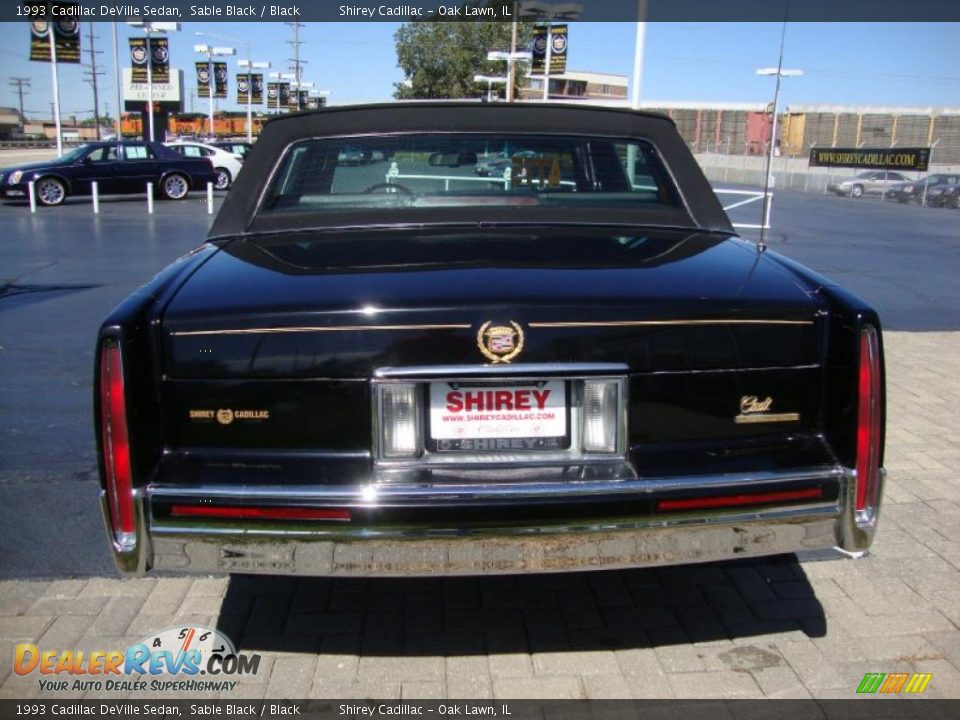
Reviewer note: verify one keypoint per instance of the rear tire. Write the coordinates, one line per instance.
(50, 192)
(955, 202)
(223, 180)
(174, 187)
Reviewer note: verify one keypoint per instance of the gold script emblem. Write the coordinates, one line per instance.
(500, 343)
(752, 404)
(755, 410)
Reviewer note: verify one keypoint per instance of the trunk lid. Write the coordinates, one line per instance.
(343, 306)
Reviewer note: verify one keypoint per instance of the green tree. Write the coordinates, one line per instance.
(439, 59)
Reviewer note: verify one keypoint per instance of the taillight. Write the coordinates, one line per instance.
(116, 444)
(868, 421)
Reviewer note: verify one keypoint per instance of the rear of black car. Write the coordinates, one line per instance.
(543, 374)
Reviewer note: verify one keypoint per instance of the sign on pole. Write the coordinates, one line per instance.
(66, 37)
(160, 48)
(220, 79)
(559, 35)
(203, 78)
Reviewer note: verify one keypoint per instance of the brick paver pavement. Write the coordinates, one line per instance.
(774, 628)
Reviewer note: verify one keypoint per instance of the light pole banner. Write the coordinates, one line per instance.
(220, 79)
(138, 59)
(559, 35)
(257, 88)
(273, 95)
(66, 35)
(539, 49)
(160, 48)
(243, 88)
(203, 79)
(284, 96)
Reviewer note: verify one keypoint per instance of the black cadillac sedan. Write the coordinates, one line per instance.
(404, 369)
(932, 186)
(117, 168)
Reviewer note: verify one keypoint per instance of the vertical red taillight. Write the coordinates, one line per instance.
(116, 443)
(868, 420)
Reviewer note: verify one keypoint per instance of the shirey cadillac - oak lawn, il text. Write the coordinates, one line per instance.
(402, 366)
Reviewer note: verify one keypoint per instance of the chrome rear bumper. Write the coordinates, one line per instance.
(588, 544)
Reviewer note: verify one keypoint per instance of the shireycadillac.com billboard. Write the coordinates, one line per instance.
(916, 158)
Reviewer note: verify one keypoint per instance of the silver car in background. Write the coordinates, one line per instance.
(871, 182)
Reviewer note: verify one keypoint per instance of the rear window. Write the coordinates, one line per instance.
(138, 152)
(460, 170)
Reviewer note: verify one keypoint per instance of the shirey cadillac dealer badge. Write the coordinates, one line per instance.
(500, 343)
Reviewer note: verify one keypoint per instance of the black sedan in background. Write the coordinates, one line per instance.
(906, 191)
(117, 168)
(945, 195)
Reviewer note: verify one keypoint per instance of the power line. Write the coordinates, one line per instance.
(297, 62)
(90, 70)
(20, 83)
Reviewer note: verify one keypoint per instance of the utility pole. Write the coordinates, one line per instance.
(297, 62)
(91, 72)
(20, 83)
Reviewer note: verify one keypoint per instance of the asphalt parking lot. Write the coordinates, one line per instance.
(769, 628)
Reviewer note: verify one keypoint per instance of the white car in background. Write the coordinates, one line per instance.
(225, 164)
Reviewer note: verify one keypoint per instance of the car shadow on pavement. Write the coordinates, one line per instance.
(601, 610)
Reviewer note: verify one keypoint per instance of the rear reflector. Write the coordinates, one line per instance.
(868, 421)
(258, 513)
(116, 444)
(740, 500)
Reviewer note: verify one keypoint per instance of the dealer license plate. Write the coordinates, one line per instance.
(520, 415)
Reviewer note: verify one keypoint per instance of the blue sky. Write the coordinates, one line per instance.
(868, 64)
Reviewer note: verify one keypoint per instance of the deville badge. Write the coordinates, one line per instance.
(754, 410)
(500, 343)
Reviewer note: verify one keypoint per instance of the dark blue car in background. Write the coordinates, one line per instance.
(117, 168)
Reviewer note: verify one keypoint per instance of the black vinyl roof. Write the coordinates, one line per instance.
(237, 215)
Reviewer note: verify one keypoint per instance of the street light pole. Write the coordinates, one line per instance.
(150, 27)
(512, 60)
(546, 13)
(116, 81)
(210, 51)
(149, 81)
(546, 66)
(638, 54)
(56, 87)
(779, 72)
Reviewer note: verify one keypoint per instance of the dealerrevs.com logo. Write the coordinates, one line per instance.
(184, 659)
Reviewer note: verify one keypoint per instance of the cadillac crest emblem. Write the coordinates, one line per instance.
(500, 343)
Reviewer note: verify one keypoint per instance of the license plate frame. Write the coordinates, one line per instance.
(499, 435)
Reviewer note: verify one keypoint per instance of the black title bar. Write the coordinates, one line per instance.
(489, 10)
